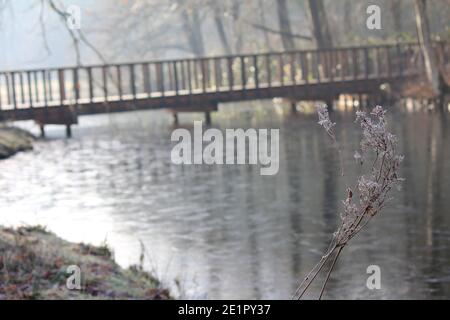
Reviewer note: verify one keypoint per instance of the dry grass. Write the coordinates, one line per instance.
(369, 196)
(33, 265)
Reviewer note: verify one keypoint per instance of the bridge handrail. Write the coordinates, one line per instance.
(213, 57)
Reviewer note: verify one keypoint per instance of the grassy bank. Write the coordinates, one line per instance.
(13, 140)
(34, 262)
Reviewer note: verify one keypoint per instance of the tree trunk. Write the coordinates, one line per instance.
(348, 18)
(285, 25)
(262, 15)
(218, 21)
(396, 10)
(423, 33)
(320, 24)
(193, 28)
(237, 26)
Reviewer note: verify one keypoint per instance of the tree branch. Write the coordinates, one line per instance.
(267, 29)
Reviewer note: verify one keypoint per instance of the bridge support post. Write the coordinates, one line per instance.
(42, 129)
(68, 131)
(208, 118)
(293, 107)
(175, 118)
(329, 103)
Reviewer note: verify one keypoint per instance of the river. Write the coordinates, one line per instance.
(226, 231)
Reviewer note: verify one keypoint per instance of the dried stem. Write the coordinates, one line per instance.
(371, 188)
(329, 272)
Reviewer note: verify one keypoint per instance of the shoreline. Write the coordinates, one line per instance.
(14, 140)
(37, 264)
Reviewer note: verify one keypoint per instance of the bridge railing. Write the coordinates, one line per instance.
(157, 79)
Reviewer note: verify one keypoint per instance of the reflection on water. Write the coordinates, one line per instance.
(226, 231)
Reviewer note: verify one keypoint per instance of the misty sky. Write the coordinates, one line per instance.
(21, 36)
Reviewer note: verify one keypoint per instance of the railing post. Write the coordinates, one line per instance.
(36, 87)
(325, 54)
(62, 87)
(331, 60)
(344, 64)
(91, 86)
(160, 77)
(8, 89)
(281, 65)
(132, 80)
(317, 67)
(170, 76)
(399, 60)
(175, 74)
(13, 84)
(183, 75)
(44, 83)
(147, 81)
(366, 63)
(50, 91)
(217, 74)
(76, 85)
(269, 70)
(196, 82)
(243, 73)
(207, 74)
(355, 63)
(30, 89)
(119, 82)
(189, 74)
(304, 66)
(293, 69)
(203, 71)
(230, 73)
(105, 82)
(22, 91)
(256, 74)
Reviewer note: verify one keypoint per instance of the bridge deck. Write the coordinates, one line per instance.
(48, 95)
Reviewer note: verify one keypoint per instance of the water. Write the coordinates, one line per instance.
(225, 231)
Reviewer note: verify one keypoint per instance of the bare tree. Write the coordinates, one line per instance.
(423, 33)
(237, 25)
(320, 24)
(285, 25)
(192, 26)
(396, 9)
(262, 16)
(218, 21)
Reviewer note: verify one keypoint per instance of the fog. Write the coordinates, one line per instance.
(34, 36)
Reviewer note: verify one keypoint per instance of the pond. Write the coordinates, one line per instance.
(225, 231)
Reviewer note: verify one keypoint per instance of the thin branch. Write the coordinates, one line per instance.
(270, 30)
(43, 29)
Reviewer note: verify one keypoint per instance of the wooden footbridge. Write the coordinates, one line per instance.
(60, 95)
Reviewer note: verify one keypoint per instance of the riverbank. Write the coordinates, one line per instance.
(34, 265)
(13, 140)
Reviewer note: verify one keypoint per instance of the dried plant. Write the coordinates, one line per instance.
(372, 188)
